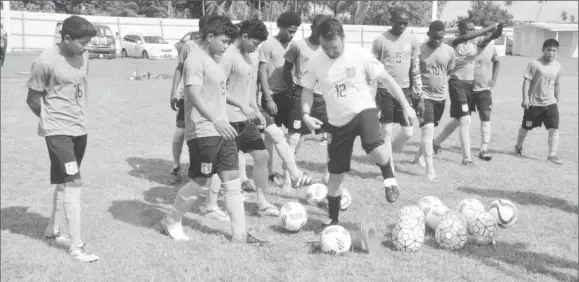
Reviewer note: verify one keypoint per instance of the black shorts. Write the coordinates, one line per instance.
(341, 139)
(181, 113)
(210, 155)
(391, 110)
(248, 137)
(66, 153)
(482, 102)
(460, 92)
(535, 116)
(318, 111)
(283, 110)
(433, 111)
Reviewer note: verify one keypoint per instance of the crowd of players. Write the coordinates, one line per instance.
(316, 84)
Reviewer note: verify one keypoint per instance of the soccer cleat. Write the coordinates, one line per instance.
(57, 239)
(215, 214)
(81, 254)
(176, 175)
(468, 163)
(518, 151)
(247, 186)
(174, 230)
(303, 180)
(391, 190)
(437, 150)
(485, 156)
(268, 210)
(249, 238)
(276, 178)
(555, 160)
(433, 178)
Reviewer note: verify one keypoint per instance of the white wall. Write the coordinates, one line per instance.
(532, 39)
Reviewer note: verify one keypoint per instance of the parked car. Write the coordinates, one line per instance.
(193, 35)
(103, 45)
(147, 47)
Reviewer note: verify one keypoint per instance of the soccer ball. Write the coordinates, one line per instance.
(434, 216)
(293, 216)
(412, 211)
(316, 193)
(407, 221)
(335, 239)
(470, 207)
(455, 216)
(483, 224)
(407, 239)
(346, 200)
(426, 203)
(504, 212)
(451, 234)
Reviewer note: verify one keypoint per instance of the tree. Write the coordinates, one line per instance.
(564, 16)
(486, 12)
(510, 3)
(572, 18)
(419, 11)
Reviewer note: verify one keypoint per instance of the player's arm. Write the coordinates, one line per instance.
(291, 56)
(33, 100)
(177, 75)
(474, 34)
(377, 49)
(528, 75)
(37, 83)
(498, 32)
(557, 86)
(496, 65)
(415, 75)
(307, 100)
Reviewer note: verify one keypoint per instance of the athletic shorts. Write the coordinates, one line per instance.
(181, 113)
(66, 153)
(433, 111)
(341, 139)
(536, 116)
(248, 136)
(283, 110)
(483, 102)
(210, 155)
(391, 110)
(460, 92)
(318, 111)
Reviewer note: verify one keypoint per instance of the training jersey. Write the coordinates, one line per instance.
(466, 53)
(344, 82)
(299, 53)
(202, 70)
(542, 76)
(63, 82)
(3, 36)
(272, 53)
(483, 71)
(183, 54)
(238, 69)
(396, 53)
(435, 66)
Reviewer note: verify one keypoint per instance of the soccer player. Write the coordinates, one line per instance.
(461, 82)
(57, 91)
(3, 44)
(398, 50)
(342, 72)
(540, 98)
(243, 112)
(486, 72)
(436, 62)
(296, 59)
(210, 136)
(275, 103)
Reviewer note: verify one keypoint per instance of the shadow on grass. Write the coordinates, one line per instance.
(19, 220)
(525, 198)
(493, 151)
(321, 168)
(155, 170)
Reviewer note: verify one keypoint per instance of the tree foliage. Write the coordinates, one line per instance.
(486, 12)
(419, 11)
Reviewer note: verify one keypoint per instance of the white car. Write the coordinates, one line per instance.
(147, 47)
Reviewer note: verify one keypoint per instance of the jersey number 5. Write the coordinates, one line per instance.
(340, 90)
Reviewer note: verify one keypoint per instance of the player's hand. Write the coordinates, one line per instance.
(224, 128)
(271, 106)
(525, 104)
(410, 115)
(261, 121)
(173, 103)
(250, 113)
(420, 108)
(492, 83)
(312, 123)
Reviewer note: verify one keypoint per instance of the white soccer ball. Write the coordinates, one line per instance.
(407, 221)
(434, 216)
(426, 203)
(335, 239)
(470, 207)
(346, 200)
(316, 193)
(451, 234)
(407, 239)
(504, 212)
(293, 216)
(412, 211)
(483, 224)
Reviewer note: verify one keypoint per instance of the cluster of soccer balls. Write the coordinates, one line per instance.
(451, 227)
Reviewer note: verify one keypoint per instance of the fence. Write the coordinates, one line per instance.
(31, 31)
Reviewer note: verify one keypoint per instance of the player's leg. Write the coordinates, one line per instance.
(386, 105)
(532, 117)
(270, 139)
(178, 140)
(551, 123)
(319, 112)
(431, 118)
(465, 121)
(294, 125)
(484, 105)
(406, 130)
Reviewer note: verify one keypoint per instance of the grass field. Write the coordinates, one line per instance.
(126, 172)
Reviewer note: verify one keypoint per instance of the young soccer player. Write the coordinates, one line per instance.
(398, 50)
(3, 44)
(436, 62)
(342, 73)
(210, 136)
(57, 91)
(540, 99)
(275, 103)
(461, 82)
(296, 59)
(243, 112)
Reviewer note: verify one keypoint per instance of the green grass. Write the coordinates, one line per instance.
(128, 160)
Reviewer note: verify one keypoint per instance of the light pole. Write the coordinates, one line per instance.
(434, 9)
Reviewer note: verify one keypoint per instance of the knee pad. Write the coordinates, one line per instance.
(484, 115)
(179, 135)
(231, 188)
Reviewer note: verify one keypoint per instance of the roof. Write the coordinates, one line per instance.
(553, 26)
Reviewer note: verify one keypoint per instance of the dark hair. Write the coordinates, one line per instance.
(289, 18)
(202, 21)
(436, 26)
(254, 28)
(319, 18)
(330, 29)
(398, 11)
(462, 23)
(550, 43)
(77, 27)
(219, 25)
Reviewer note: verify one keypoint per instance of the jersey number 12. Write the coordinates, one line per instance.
(340, 90)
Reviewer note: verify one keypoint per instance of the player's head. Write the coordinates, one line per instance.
(251, 34)
(288, 23)
(331, 36)
(550, 49)
(316, 21)
(76, 33)
(399, 18)
(436, 32)
(202, 22)
(218, 33)
(465, 26)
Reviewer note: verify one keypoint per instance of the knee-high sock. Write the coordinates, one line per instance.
(57, 213)
(185, 198)
(72, 213)
(553, 142)
(485, 132)
(235, 208)
(178, 140)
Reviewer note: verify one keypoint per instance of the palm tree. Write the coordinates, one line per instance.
(340, 9)
(510, 3)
